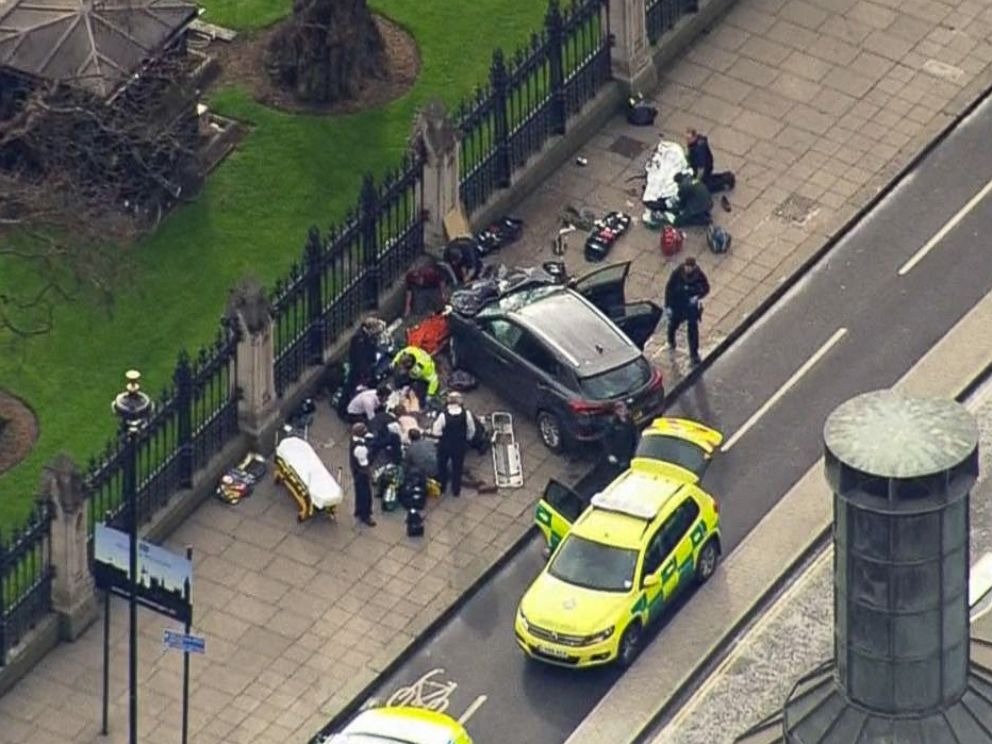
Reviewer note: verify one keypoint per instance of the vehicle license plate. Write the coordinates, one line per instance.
(553, 652)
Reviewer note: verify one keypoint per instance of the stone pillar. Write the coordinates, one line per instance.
(73, 588)
(435, 133)
(249, 310)
(630, 56)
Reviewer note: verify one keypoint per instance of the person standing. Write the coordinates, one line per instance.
(686, 288)
(363, 352)
(454, 428)
(361, 473)
(620, 442)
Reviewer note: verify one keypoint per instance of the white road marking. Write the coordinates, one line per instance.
(425, 693)
(471, 710)
(942, 232)
(807, 366)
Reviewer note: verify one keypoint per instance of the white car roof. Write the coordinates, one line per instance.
(637, 494)
(392, 729)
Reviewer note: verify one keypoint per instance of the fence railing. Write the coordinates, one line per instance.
(662, 15)
(340, 277)
(25, 578)
(192, 421)
(530, 98)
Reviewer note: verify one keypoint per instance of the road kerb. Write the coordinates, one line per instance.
(785, 537)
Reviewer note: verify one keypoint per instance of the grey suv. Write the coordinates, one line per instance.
(565, 354)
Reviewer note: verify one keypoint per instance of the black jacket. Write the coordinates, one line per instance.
(621, 441)
(681, 287)
(700, 156)
(362, 352)
(694, 198)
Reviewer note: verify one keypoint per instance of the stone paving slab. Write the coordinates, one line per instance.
(815, 106)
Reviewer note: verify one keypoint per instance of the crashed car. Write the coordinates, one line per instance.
(564, 353)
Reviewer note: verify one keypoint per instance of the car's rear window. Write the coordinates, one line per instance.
(617, 382)
(683, 453)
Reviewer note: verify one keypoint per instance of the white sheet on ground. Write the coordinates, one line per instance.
(667, 160)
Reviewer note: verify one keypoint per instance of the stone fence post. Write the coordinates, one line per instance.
(73, 588)
(630, 55)
(435, 133)
(249, 309)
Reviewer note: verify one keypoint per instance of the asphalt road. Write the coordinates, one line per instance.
(853, 324)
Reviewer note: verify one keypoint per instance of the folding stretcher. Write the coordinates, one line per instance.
(506, 452)
(307, 479)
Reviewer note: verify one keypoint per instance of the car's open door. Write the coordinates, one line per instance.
(677, 444)
(558, 508)
(605, 288)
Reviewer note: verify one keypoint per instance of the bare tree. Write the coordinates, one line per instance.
(328, 50)
(81, 176)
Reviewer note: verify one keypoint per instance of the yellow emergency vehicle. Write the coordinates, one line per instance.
(620, 562)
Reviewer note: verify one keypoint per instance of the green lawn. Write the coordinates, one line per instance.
(252, 217)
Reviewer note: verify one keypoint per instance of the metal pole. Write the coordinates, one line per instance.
(131, 468)
(106, 659)
(189, 627)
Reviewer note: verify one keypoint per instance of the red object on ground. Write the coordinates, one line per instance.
(430, 335)
(671, 240)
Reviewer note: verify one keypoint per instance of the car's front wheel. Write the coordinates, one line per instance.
(709, 556)
(630, 645)
(550, 429)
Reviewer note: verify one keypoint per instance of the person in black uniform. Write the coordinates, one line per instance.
(363, 349)
(454, 428)
(620, 442)
(361, 475)
(686, 288)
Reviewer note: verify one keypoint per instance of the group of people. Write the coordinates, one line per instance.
(386, 429)
(695, 191)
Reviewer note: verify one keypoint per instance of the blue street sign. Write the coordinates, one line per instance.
(190, 644)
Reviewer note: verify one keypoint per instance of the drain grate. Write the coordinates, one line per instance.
(627, 146)
(797, 209)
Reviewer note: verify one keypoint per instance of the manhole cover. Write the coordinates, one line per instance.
(627, 146)
(797, 209)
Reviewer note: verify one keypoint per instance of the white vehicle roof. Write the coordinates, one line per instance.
(637, 494)
(375, 727)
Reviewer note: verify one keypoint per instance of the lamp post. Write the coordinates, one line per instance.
(133, 408)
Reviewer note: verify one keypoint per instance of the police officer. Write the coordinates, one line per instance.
(454, 428)
(620, 441)
(686, 288)
(360, 460)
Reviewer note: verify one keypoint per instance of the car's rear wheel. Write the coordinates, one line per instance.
(709, 556)
(630, 645)
(551, 432)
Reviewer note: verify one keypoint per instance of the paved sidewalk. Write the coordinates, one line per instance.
(814, 105)
(297, 618)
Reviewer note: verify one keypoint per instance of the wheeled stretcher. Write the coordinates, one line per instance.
(307, 479)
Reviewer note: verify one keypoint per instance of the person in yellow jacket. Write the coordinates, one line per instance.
(417, 366)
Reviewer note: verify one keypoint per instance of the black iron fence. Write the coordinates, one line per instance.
(530, 97)
(25, 578)
(341, 276)
(662, 15)
(192, 421)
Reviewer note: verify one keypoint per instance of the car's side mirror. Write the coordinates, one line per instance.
(650, 580)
